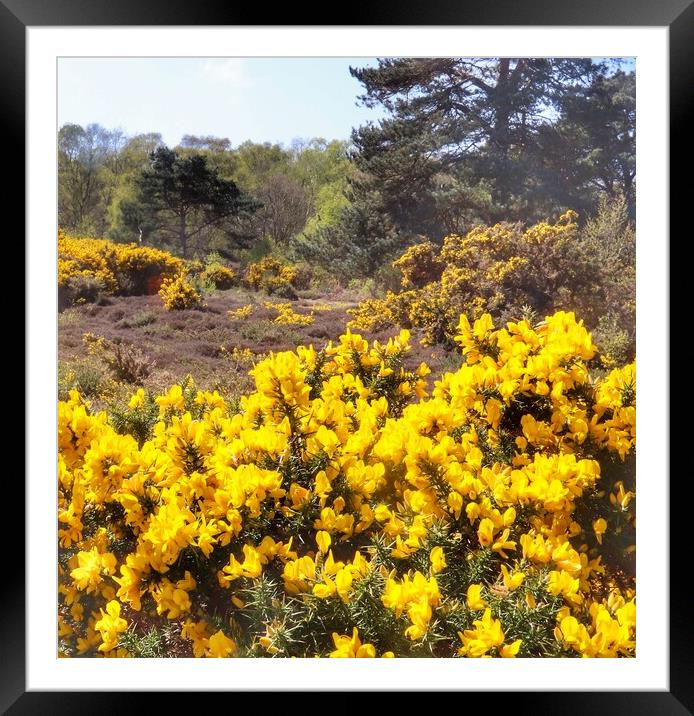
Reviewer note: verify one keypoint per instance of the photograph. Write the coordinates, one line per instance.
(346, 357)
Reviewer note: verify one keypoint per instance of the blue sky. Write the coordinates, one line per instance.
(273, 100)
(261, 99)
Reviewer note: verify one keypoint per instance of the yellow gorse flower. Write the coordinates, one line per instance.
(116, 266)
(352, 648)
(337, 487)
(110, 626)
(178, 293)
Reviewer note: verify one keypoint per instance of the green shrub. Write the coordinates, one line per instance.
(613, 340)
(79, 289)
(138, 418)
(84, 376)
(143, 318)
(303, 276)
(221, 277)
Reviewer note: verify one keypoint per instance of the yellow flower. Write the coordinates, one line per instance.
(486, 635)
(509, 517)
(341, 447)
(510, 650)
(110, 626)
(599, 527)
(437, 559)
(419, 614)
(138, 399)
(173, 399)
(503, 543)
(561, 582)
(351, 647)
(572, 633)
(485, 532)
(91, 566)
(323, 541)
(197, 633)
(220, 645)
(512, 581)
(474, 597)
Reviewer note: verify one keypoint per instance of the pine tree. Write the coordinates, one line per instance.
(178, 198)
(461, 142)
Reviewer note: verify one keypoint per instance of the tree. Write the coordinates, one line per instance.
(133, 158)
(207, 143)
(102, 193)
(286, 207)
(364, 238)
(256, 162)
(81, 153)
(179, 198)
(460, 137)
(218, 152)
(95, 172)
(317, 162)
(591, 150)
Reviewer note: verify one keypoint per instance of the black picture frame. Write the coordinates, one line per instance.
(677, 15)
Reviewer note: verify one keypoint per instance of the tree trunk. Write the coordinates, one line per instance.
(182, 235)
(500, 136)
(503, 109)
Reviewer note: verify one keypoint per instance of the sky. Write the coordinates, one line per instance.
(257, 99)
(262, 100)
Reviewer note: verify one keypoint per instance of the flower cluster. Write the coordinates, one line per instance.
(118, 268)
(496, 269)
(347, 509)
(419, 265)
(239, 314)
(221, 277)
(178, 293)
(286, 315)
(240, 359)
(272, 276)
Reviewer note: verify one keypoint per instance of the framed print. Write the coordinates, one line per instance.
(345, 352)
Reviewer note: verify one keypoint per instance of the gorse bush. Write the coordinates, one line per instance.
(84, 376)
(494, 269)
(138, 419)
(272, 276)
(221, 277)
(419, 265)
(304, 276)
(240, 359)
(241, 313)
(501, 268)
(179, 293)
(287, 315)
(349, 510)
(118, 269)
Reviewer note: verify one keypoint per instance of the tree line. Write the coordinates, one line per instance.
(464, 141)
(200, 196)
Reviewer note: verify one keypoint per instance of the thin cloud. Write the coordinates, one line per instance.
(227, 70)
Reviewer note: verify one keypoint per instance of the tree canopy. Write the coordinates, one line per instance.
(470, 140)
(178, 197)
(481, 121)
